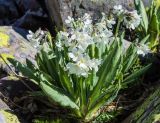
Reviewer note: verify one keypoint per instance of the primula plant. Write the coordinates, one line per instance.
(86, 65)
(150, 23)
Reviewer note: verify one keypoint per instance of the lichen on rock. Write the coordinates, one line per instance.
(8, 117)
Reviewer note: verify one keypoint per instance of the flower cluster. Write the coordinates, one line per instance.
(118, 10)
(143, 50)
(36, 38)
(131, 19)
(82, 34)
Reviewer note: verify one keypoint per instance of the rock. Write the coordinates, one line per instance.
(61, 9)
(149, 111)
(14, 45)
(8, 117)
(54, 11)
(22, 13)
(3, 106)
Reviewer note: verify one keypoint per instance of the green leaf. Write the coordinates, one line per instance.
(136, 74)
(145, 39)
(130, 57)
(154, 31)
(26, 71)
(66, 81)
(56, 95)
(106, 98)
(142, 11)
(82, 94)
(108, 70)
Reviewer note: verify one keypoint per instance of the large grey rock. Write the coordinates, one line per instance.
(149, 111)
(26, 14)
(59, 10)
(14, 45)
(3, 105)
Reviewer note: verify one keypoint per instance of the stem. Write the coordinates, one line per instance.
(118, 26)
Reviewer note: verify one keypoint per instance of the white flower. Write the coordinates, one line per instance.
(101, 26)
(118, 9)
(76, 69)
(76, 54)
(83, 41)
(143, 50)
(30, 35)
(80, 40)
(59, 45)
(65, 34)
(103, 37)
(87, 19)
(36, 38)
(93, 64)
(63, 37)
(132, 20)
(69, 20)
(82, 65)
(110, 23)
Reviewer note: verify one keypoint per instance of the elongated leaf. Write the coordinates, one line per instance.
(102, 74)
(56, 94)
(24, 70)
(66, 81)
(50, 70)
(105, 99)
(145, 39)
(40, 62)
(107, 71)
(37, 94)
(136, 74)
(130, 58)
(131, 55)
(154, 31)
(142, 11)
(83, 100)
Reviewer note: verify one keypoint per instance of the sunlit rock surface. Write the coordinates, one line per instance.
(14, 45)
(8, 117)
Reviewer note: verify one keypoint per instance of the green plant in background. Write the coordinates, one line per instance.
(85, 67)
(150, 23)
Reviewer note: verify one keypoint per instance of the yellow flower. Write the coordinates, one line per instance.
(4, 38)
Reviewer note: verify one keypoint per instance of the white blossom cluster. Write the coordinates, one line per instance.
(81, 34)
(143, 50)
(131, 19)
(36, 38)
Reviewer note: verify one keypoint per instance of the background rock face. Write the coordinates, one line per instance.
(77, 8)
(22, 13)
(98, 6)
